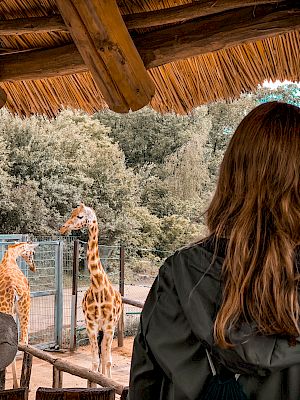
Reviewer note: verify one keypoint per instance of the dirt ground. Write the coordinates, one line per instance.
(42, 371)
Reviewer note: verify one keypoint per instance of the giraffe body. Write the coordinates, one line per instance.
(14, 288)
(101, 304)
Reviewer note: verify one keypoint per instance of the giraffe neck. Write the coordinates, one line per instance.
(10, 256)
(93, 259)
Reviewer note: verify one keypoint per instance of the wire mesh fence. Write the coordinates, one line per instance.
(53, 319)
(141, 267)
(43, 328)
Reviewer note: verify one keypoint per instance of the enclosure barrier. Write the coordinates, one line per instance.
(60, 366)
(135, 303)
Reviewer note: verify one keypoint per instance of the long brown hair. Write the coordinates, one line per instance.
(257, 207)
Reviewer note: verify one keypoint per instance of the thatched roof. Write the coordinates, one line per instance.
(240, 44)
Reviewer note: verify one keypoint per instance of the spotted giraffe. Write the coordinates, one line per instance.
(14, 288)
(101, 304)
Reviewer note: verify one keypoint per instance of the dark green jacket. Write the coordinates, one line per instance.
(169, 360)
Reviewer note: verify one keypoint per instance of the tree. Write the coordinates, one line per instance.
(146, 136)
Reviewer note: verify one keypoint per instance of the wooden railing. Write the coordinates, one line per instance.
(60, 366)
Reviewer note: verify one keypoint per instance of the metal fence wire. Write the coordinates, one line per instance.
(45, 288)
(141, 266)
(54, 321)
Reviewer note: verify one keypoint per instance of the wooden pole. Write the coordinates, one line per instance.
(135, 303)
(19, 26)
(3, 97)
(101, 36)
(122, 291)
(72, 369)
(124, 394)
(73, 339)
(57, 381)
(171, 15)
(213, 33)
(26, 370)
(2, 379)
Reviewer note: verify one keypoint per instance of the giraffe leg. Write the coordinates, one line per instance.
(23, 310)
(106, 352)
(92, 331)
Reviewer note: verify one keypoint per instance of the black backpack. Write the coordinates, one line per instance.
(222, 386)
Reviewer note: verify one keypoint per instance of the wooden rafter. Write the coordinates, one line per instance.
(165, 45)
(34, 24)
(38, 64)
(107, 49)
(133, 21)
(187, 11)
(220, 31)
(3, 97)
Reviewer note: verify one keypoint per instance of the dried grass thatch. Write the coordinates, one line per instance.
(180, 86)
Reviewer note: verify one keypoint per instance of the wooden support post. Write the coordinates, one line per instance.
(122, 291)
(91, 384)
(3, 98)
(2, 379)
(124, 394)
(26, 370)
(73, 339)
(57, 381)
(106, 47)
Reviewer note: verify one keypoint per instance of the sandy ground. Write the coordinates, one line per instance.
(42, 371)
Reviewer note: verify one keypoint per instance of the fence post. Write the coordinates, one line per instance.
(2, 379)
(59, 307)
(57, 381)
(73, 341)
(122, 291)
(26, 370)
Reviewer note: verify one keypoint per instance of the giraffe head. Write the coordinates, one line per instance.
(81, 217)
(25, 250)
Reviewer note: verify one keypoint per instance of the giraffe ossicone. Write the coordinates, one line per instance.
(101, 304)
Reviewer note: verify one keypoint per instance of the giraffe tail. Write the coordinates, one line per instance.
(99, 340)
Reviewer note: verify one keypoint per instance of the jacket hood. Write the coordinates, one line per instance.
(197, 277)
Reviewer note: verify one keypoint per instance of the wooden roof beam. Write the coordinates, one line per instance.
(221, 31)
(147, 19)
(195, 37)
(100, 34)
(3, 97)
(39, 64)
(187, 11)
(33, 24)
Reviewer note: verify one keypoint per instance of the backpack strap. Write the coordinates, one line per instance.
(212, 367)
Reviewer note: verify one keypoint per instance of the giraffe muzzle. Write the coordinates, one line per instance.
(32, 266)
(63, 230)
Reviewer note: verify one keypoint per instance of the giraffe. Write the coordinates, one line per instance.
(101, 304)
(14, 288)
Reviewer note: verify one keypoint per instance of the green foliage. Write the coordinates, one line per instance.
(146, 136)
(148, 176)
(288, 93)
(176, 231)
